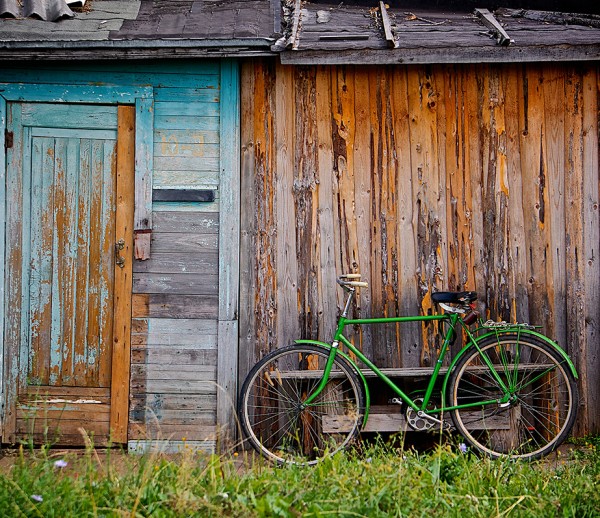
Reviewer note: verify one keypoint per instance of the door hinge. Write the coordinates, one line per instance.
(8, 139)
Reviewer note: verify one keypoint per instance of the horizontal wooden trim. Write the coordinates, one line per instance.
(174, 356)
(192, 432)
(68, 439)
(176, 283)
(82, 411)
(170, 447)
(187, 222)
(70, 393)
(63, 426)
(173, 386)
(71, 93)
(204, 262)
(187, 402)
(416, 56)
(382, 420)
(174, 372)
(178, 242)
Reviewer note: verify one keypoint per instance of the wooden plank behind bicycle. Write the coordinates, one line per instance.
(469, 177)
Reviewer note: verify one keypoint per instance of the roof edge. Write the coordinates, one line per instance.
(590, 52)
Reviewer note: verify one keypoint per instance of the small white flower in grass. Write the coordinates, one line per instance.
(61, 463)
(462, 447)
(37, 498)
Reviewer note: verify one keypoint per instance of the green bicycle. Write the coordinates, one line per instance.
(510, 391)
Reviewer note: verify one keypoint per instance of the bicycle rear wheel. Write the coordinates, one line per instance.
(272, 411)
(543, 397)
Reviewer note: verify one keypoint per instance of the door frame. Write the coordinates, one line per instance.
(142, 99)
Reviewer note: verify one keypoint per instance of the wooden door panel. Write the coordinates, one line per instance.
(71, 264)
(62, 224)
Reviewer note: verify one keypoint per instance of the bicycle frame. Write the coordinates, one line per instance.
(453, 319)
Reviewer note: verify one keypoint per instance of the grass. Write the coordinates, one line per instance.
(380, 480)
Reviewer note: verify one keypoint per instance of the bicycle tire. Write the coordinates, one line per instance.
(271, 408)
(543, 404)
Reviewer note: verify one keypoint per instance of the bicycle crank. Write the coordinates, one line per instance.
(419, 421)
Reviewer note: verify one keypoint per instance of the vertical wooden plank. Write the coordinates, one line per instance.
(249, 239)
(144, 163)
(13, 269)
(287, 325)
(574, 202)
(474, 173)
(82, 268)
(58, 269)
(305, 196)
(406, 220)
(68, 263)
(3, 128)
(229, 253)
(260, 210)
(106, 156)
(343, 130)
(517, 245)
(429, 196)
(326, 192)
(554, 108)
(121, 351)
(496, 192)
(359, 152)
(591, 246)
(384, 258)
(42, 233)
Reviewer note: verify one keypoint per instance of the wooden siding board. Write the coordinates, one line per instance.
(3, 204)
(229, 252)
(406, 220)
(169, 305)
(144, 165)
(287, 324)
(590, 367)
(327, 297)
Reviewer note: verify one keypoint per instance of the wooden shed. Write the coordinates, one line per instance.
(183, 181)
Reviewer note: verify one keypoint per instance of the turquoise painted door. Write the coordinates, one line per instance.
(60, 271)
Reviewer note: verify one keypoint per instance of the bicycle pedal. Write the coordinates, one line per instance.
(395, 401)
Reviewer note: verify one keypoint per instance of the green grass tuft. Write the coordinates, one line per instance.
(379, 480)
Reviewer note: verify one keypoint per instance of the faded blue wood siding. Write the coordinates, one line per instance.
(175, 330)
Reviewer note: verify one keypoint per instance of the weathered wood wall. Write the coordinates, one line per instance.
(478, 177)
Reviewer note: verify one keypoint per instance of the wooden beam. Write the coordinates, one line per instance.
(121, 354)
(294, 40)
(419, 56)
(490, 21)
(387, 26)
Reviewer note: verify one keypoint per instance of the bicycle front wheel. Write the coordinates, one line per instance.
(275, 418)
(542, 403)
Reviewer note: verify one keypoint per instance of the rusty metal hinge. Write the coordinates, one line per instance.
(9, 138)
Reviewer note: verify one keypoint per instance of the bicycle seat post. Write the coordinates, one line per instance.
(351, 291)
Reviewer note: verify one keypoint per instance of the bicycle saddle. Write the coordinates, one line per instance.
(454, 297)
